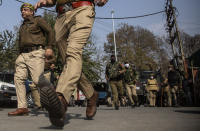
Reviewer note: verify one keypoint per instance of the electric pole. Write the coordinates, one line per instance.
(112, 12)
(174, 34)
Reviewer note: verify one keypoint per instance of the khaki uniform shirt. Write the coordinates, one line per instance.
(152, 84)
(33, 31)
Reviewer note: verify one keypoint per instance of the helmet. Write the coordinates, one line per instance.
(27, 5)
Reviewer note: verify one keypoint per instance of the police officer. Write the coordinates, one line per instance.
(114, 75)
(174, 81)
(152, 86)
(167, 93)
(130, 78)
(73, 27)
(31, 58)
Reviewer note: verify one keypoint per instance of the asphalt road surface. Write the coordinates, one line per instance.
(108, 119)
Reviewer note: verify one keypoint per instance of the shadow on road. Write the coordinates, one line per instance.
(188, 111)
(51, 127)
(105, 108)
(69, 116)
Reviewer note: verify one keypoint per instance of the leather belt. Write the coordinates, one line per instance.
(31, 48)
(81, 3)
(73, 5)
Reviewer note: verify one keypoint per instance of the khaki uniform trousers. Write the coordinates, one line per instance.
(167, 93)
(117, 91)
(174, 90)
(24, 65)
(131, 91)
(35, 92)
(152, 97)
(47, 75)
(73, 29)
(35, 95)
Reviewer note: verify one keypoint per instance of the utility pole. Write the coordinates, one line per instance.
(172, 29)
(112, 12)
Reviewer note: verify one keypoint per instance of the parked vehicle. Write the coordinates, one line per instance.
(8, 91)
(102, 89)
(78, 98)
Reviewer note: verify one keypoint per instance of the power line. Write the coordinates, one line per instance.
(132, 17)
(106, 25)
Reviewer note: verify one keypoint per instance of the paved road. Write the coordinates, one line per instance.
(107, 119)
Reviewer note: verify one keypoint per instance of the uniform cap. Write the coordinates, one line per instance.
(27, 5)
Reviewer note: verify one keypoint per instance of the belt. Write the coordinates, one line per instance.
(70, 6)
(31, 48)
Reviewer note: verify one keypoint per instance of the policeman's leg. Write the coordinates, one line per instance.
(151, 98)
(114, 93)
(173, 93)
(20, 76)
(135, 97)
(86, 86)
(120, 90)
(154, 97)
(169, 98)
(128, 89)
(77, 39)
(91, 95)
(35, 95)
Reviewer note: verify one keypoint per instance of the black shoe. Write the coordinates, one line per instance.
(116, 107)
(54, 105)
(36, 109)
(133, 105)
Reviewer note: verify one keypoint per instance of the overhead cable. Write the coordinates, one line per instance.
(132, 17)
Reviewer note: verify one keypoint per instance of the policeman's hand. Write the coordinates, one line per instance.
(100, 2)
(44, 3)
(48, 53)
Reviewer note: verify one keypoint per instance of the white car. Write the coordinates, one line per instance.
(7, 92)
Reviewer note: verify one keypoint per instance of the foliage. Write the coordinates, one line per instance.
(8, 48)
(136, 45)
(91, 67)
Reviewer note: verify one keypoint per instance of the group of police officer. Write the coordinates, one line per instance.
(119, 75)
(72, 29)
(73, 26)
(123, 77)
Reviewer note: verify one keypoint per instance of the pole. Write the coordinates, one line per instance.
(112, 12)
(179, 39)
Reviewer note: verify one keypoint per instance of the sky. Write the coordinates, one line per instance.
(188, 18)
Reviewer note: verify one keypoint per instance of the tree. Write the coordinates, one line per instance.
(8, 51)
(136, 45)
(190, 43)
(91, 67)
